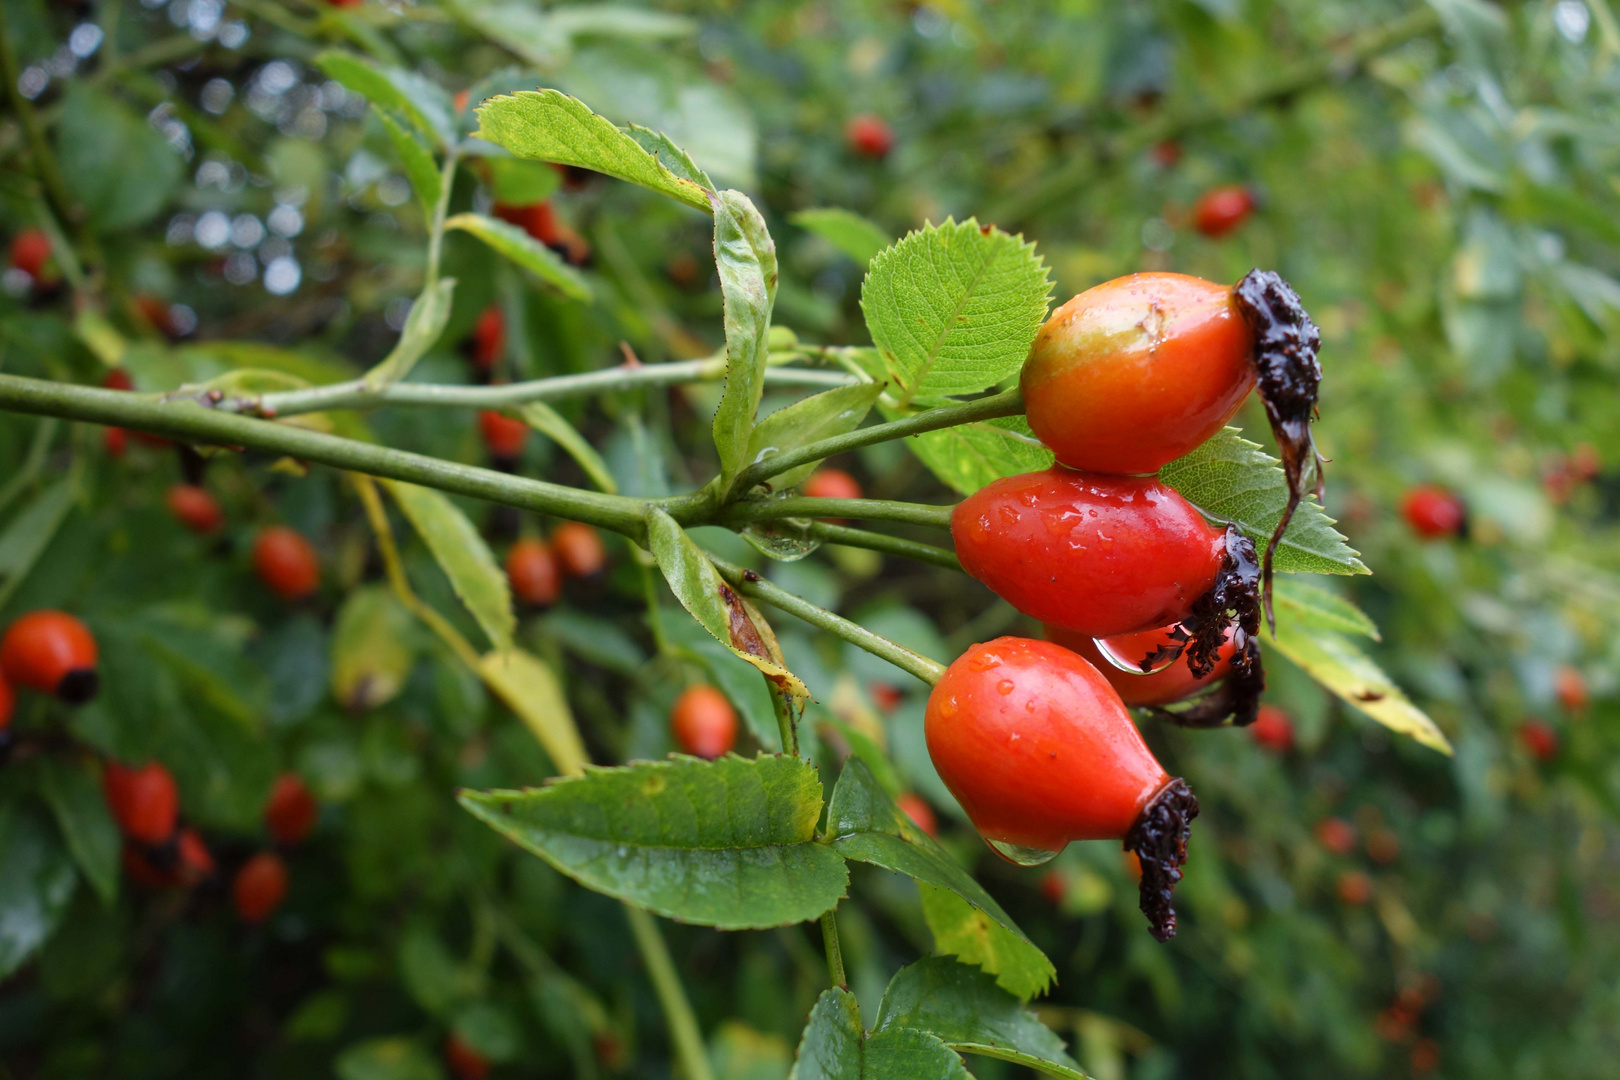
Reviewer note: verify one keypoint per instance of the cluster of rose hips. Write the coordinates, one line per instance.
(536, 566)
(1144, 601)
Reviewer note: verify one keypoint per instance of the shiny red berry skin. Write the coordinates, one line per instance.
(8, 702)
(832, 484)
(259, 887)
(489, 338)
(579, 549)
(286, 563)
(1337, 835)
(1173, 684)
(1273, 729)
(531, 567)
(1097, 555)
(1222, 210)
(291, 812)
(1433, 512)
(30, 249)
(1037, 747)
(195, 508)
(1137, 371)
(1570, 686)
(503, 435)
(464, 1062)
(869, 136)
(917, 809)
(703, 722)
(52, 652)
(1539, 739)
(144, 801)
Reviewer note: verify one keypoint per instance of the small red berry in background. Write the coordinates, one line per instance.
(1053, 887)
(286, 563)
(156, 313)
(195, 508)
(869, 136)
(1425, 1057)
(539, 220)
(683, 270)
(1337, 835)
(1585, 462)
(291, 812)
(461, 99)
(1538, 737)
(115, 441)
(1354, 888)
(886, 696)
(1221, 210)
(144, 801)
(464, 1062)
(189, 863)
(1570, 686)
(579, 549)
(532, 568)
(1166, 153)
(1383, 846)
(52, 652)
(259, 887)
(119, 379)
(832, 484)
(30, 250)
(703, 722)
(503, 435)
(344, 3)
(917, 809)
(1433, 512)
(489, 338)
(1273, 729)
(8, 702)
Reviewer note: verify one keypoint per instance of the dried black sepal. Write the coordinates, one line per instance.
(1236, 696)
(1159, 838)
(1286, 343)
(1233, 601)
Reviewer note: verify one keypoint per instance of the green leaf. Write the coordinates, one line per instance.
(954, 308)
(515, 244)
(418, 162)
(969, 456)
(672, 157)
(423, 102)
(846, 230)
(373, 648)
(726, 843)
(548, 422)
(819, 416)
(746, 258)
(80, 808)
(730, 618)
(1311, 605)
(833, 1047)
(972, 936)
(36, 883)
(548, 125)
(463, 556)
(1231, 479)
(392, 1058)
(518, 182)
(865, 825)
(967, 1011)
(1335, 661)
(429, 314)
(30, 532)
(102, 148)
(531, 690)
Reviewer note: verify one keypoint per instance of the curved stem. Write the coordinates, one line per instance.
(683, 1027)
(1007, 403)
(889, 545)
(801, 506)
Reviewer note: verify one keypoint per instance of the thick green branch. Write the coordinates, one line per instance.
(889, 545)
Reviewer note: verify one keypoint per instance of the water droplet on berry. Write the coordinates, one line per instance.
(947, 708)
(1004, 687)
(985, 661)
(1115, 657)
(1019, 855)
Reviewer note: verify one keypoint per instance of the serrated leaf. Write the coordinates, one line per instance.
(1233, 479)
(967, 1011)
(730, 618)
(80, 808)
(1338, 664)
(819, 416)
(969, 456)
(865, 825)
(523, 249)
(833, 1047)
(669, 155)
(1311, 605)
(373, 648)
(953, 308)
(531, 690)
(845, 230)
(746, 258)
(548, 125)
(463, 556)
(429, 314)
(548, 422)
(418, 161)
(972, 936)
(36, 883)
(728, 843)
(423, 102)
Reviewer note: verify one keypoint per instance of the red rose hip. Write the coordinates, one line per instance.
(8, 702)
(291, 812)
(703, 722)
(52, 652)
(195, 508)
(30, 250)
(579, 549)
(531, 567)
(832, 484)
(259, 887)
(869, 136)
(917, 809)
(1273, 729)
(1222, 210)
(1433, 512)
(464, 1062)
(503, 435)
(489, 338)
(144, 801)
(286, 563)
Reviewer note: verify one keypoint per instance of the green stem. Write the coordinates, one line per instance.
(802, 506)
(683, 1028)
(1007, 403)
(441, 210)
(755, 587)
(889, 545)
(835, 952)
(786, 723)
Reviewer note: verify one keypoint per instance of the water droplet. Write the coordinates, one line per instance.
(1019, 855)
(1112, 654)
(947, 708)
(1029, 704)
(1004, 687)
(985, 661)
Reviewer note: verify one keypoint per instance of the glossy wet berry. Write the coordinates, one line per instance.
(52, 652)
(291, 812)
(30, 251)
(286, 562)
(1433, 512)
(579, 550)
(463, 1061)
(1222, 210)
(259, 887)
(181, 864)
(1040, 751)
(1569, 685)
(1337, 835)
(1538, 737)
(1163, 686)
(535, 576)
(916, 808)
(143, 800)
(1096, 555)
(195, 508)
(504, 437)
(703, 722)
(489, 338)
(869, 136)
(1273, 729)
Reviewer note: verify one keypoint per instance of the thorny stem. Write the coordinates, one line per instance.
(835, 952)
(683, 1027)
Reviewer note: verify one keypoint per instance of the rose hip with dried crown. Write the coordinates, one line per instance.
(703, 722)
(52, 652)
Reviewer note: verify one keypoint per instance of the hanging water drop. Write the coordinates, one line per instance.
(1113, 654)
(1019, 855)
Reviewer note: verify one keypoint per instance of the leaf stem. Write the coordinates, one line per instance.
(1007, 403)
(683, 1027)
(441, 209)
(757, 588)
(801, 506)
(786, 724)
(889, 545)
(835, 952)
